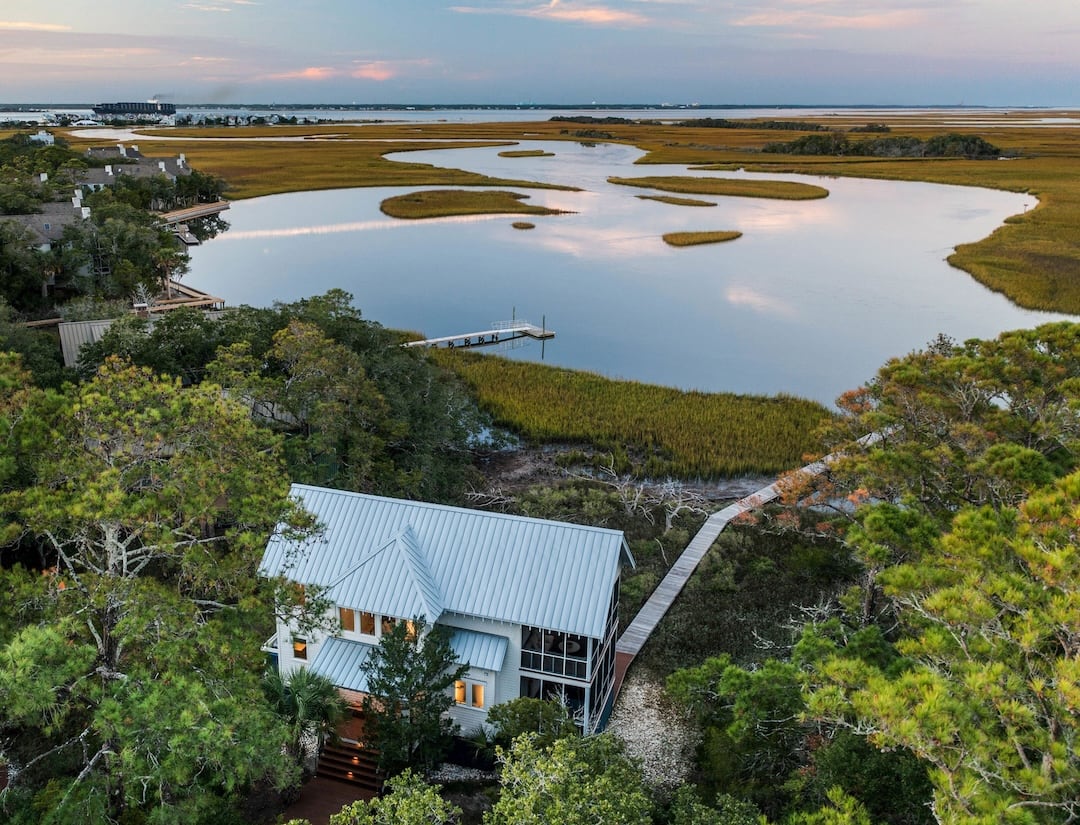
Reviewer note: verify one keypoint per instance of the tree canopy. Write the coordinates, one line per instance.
(128, 677)
(357, 410)
(576, 781)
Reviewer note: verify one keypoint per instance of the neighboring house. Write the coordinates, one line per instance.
(47, 226)
(129, 161)
(74, 335)
(531, 605)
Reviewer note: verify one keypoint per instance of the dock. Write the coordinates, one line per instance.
(502, 333)
(191, 213)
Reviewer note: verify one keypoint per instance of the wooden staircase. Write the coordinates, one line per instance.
(350, 762)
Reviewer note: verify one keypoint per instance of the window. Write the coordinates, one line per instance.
(367, 623)
(468, 692)
(388, 623)
(299, 648)
(410, 630)
(348, 619)
(562, 654)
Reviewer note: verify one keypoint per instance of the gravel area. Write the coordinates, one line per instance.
(448, 772)
(654, 732)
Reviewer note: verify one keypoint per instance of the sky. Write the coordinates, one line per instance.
(824, 52)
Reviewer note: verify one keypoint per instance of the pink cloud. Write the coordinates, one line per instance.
(23, 26)
(897, 19)
(375, 70)
(310, 73)
(566, 12)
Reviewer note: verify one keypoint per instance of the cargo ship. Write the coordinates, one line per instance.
(149, 108)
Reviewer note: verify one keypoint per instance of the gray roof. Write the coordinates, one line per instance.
(74, 335)
(342, 662)
(480, 650)
(408, 558)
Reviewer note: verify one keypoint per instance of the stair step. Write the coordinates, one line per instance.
(350, 763)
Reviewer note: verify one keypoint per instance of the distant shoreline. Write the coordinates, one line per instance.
(450, 107)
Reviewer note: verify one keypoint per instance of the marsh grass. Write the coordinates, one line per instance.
(523, 225)
(440, 203)
(695, 238)
(257, 168)
(675, 201)
(526, 153)
(738, 188)
(682, 434)
(1034, 259)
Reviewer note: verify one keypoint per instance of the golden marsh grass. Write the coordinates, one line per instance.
(740, 188)
(694, 238)
(688, 434)
(526, 153)
(440, 203)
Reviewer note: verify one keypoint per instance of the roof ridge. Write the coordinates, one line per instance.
(430, 505)
(419, 567)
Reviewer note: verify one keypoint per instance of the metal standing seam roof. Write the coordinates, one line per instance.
(373, 553)
(485, 651)
(342, 662)
(395, 577)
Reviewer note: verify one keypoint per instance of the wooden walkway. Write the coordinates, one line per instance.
(190, 213)
(637, 633)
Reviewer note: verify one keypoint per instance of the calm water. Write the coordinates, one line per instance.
(810, 301)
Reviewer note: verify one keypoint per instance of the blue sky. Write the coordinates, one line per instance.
(988, 52)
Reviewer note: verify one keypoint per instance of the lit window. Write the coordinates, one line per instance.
(459, 692)
(367, 623)
(477, 696)
(410, 630)
(388, 623)
(299, 648)
(348, 619)
(299, 594)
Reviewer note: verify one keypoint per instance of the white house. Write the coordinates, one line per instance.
(532, 605)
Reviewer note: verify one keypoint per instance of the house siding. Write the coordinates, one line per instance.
(501, 686)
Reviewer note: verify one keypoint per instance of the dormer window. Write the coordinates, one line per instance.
(348, 619)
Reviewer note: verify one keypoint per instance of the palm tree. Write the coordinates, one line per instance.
(311, 706)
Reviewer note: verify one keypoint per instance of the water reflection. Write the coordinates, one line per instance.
(810, 301)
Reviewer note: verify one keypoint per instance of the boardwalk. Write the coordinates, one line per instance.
(201, 210)
(637, 633)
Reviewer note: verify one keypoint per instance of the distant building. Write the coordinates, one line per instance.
(149, 108)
